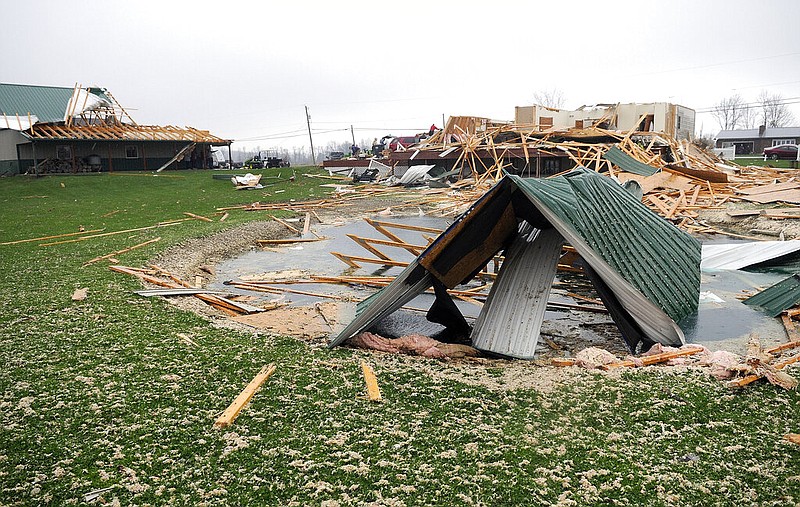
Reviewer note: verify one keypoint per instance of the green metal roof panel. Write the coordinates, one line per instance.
(48, 103)
(628, 163)
(781, 296)
(640, 245)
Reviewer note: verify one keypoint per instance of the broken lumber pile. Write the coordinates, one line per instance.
(163, 278)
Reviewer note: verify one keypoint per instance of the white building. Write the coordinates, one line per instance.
(669, 119)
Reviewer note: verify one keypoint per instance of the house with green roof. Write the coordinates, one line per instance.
(53, 129)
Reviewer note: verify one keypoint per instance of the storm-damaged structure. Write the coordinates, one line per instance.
(51, 129)
(645, 270)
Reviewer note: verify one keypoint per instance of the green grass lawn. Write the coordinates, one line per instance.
(758, 160)
(102, 393)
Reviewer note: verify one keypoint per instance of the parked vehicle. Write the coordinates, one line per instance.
(335, 155)
(784, 151)
(402, 142)
(270, 159)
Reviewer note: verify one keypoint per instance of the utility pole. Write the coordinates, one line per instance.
(310, 139)
(352, 135)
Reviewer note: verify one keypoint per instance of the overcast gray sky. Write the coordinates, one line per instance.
(245, 70)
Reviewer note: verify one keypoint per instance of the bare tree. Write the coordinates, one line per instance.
(549, 98)
(749, 118)
(728, 112)
(774, 112)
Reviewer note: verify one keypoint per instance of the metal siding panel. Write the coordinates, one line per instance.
(651, 266)
(741, 255)
(651, 254)
(9, 139)
(646, 249)
(779, 297)
(628, 163)
(511, 319)
(413, 281)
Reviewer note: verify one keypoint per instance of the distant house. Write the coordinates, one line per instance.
(669, 119)
(753, 141)
(50, 129)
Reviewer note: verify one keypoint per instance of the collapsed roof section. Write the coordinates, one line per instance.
(646, 270)
(57, 113)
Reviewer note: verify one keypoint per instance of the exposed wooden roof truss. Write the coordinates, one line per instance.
(122, 132)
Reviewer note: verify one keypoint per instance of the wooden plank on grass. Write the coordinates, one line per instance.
(124, 250)
(160, 224)
(373, 392)
(197, 217)
(42, 238)
(232, 412)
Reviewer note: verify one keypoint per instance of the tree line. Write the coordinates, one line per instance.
(769, 110)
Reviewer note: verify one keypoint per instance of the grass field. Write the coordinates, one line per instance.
(102, 393)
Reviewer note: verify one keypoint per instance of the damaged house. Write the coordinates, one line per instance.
(545, 141)
(646, 271)
(50, 129)
(671, 120)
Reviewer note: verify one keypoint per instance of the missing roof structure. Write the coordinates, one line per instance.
(50, 129)
(646, 271)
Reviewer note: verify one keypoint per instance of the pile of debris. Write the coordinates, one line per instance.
(738, 370)
(646, 288)
(677, 178)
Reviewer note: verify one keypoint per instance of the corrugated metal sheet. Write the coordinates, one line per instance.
(781, 296)
(650, 316)
(741, 255)
(411, 282)
(510, 321)
(628, 163)
(650, 266)
(651, 254)
(48, 103)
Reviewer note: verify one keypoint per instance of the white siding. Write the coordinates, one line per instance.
(9, 139)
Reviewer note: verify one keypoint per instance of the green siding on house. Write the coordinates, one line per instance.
(151, 155)
(9, 167)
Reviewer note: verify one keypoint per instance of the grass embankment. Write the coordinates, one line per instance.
(102, 393)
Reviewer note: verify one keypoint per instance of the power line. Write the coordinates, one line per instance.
(754, 105)
(765, 85)
(720, 64)
(278, 135)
